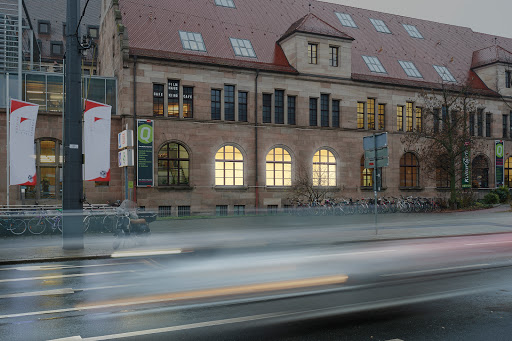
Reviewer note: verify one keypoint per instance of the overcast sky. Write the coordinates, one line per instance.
(489, 16)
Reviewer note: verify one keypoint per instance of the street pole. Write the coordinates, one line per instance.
(375, 180)
(72, 188)
(7, 141)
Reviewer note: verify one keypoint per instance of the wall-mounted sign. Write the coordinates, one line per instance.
(466, 166)
(145, 165)
(125, 139)
(125, 158)
(500, 152)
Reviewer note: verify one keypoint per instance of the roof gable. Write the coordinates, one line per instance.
(312, 24)
(491, 55)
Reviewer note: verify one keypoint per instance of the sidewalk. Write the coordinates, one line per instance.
(265, 231)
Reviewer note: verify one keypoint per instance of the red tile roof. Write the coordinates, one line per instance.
(310, 23)
(490, 55)
(153, 29)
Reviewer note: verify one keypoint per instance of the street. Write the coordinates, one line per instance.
(417, 289)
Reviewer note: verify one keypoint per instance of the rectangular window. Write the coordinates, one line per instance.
(239, 210)
(229, 102)
(93, 32)
(480, 118)
(400, 118)
(410, 69)
(216, 104)
(508, 79)
(279, 107)
(291, 109)
(43, 27)
(333, 55)
(242, 47)
(510, 123)
(164, 211)
(56, 48)
(436, 120)
(444, 117)
(505, 126)
(374, 64)
(370, 113)
(313, 116)
(419, 115)
(221, 210)
(158, 100)
(312, 53)
(346, 19)
(360, 115)
(272, 209)
(408, 116)
(444, 73)
(324, 110)
(242, 106)
(188, 102)
(413, 31)
(488, 125)
(267, 108)
(382, 116)
(183, 211)
(192, 41)
(380, 26)
(225, 3)
(173, 98)
(472, 124)
(335, 113)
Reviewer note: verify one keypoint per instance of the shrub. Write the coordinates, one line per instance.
(491, 198)
(503, 193)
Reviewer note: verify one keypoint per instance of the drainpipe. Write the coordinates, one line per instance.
(256, 186)
(135, 128)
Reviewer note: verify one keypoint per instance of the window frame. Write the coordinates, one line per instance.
(216, 104)
(279, 106)
(313, 111)
(243, 98)
(266, 104)
(93, 27)
(508, 79)
(380, 26)
(335, 113)
(360, 110)
(187, 100)
(240, 45)
(409, 171)
(409, 116)
(225, 3)
(346, 19)
(334, 53)
(173, 97)
(229, 102)
(324, 110)
(285, 163)
(413, 31)
(318, 180)
(370, 113)
(381, 116)
(196, 37)
(226, 171)
(312, 53)
(374, 64)
(171, 164)
(61, 47)
(410, 69)
(444, 73)
(156, 95)
(43, 23)
(292, 110)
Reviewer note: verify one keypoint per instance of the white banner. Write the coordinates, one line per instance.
(22, 159)
(97, 141)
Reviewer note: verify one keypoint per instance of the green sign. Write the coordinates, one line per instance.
(130, 184)
(466, 166)
(500, 179)
(145, 152)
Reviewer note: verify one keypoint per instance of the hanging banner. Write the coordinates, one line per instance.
(145, 153)
(499, 149)
(466, 166)
(22, 159)
(97, 141)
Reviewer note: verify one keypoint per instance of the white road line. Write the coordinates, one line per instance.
(64, 276)
(351, 253)
(144, 253)
(110, 287)
(490, 243)
(54, 267)
(64, 291)
(434, 270)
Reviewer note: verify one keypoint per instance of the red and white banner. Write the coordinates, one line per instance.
(22, 158)
(97, 141)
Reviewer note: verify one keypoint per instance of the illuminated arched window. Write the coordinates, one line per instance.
(409, 171)
(229, 167)
(480, 172)
(279, 168)
(324, 169)
(366, 175)
(508, 172)
(173, 165)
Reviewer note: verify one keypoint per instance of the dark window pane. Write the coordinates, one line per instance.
(215, 98)
(229, 102)
(291, 109)
(267, 108)
(336, 113)
(324, 110)
(158, 99)
(279, 106)
(313, 106)
(242, 106)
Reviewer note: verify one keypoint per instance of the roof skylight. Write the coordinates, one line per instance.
(225, 3)
(413, 31)
(380, 26)
(346, 19)
(242, 47)
(374, 64)
(192, 41)
(444, 73)
(410, 69)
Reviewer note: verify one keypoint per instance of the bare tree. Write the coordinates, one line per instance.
(310, 186)
(444, 136)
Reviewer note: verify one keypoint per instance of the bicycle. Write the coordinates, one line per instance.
(16, 226)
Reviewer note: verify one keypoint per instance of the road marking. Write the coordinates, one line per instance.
(144, 253)
(351, 253)
(64, 276)
(110, 287)
(63, 266)
(64, 291)
(490, 243)
(434, 270)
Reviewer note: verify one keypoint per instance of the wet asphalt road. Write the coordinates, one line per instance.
(432, 289)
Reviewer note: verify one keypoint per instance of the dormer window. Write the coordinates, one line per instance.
(380, 26)
(413, 31)
(444, 73)
(333, 55)
(242, 47)
(192, 41)
(312, 53)
(225, 3)
(374, 64)
(346, 20)
(410, 69)
(43, 27)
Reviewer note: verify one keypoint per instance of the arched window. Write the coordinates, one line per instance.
(480, 172)
(324, 169)
(279, 168)
(48, 154)
(173, 165)
(442, 175)
(229, 167)
(508, 172)
(409, 171)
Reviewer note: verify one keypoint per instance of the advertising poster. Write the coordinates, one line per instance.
(500, 179)
(145, 153)
(466, 166)
(97, 141)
